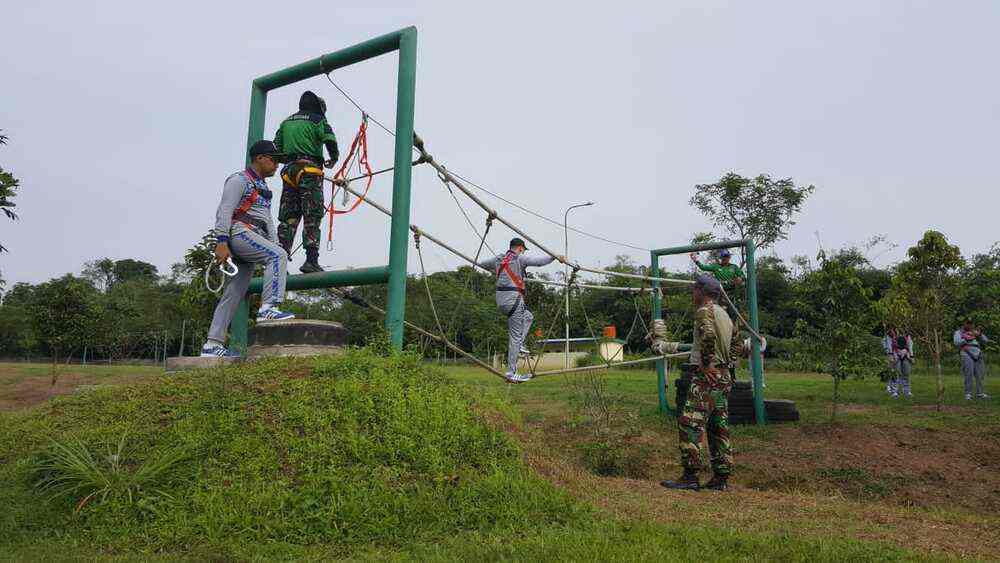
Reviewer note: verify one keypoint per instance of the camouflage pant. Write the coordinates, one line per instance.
(304, 203)
(706, 406)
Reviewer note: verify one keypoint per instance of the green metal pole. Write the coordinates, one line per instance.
(661, 366)
(255, 132)
(239, 327)
(756, 361)
(334, 278)
(715, 245)
(399, 232)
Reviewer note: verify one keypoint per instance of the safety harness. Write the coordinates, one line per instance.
(359, 148)
(241, 213)
(514, 278)
(307, 168)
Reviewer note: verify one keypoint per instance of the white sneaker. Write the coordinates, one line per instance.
(908, 395)
(968, 396)
(514, 377)
(983, 396)
(894, 395)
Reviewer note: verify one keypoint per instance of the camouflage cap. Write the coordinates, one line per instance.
(708, 285)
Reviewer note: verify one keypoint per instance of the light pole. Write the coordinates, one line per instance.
(566, 266)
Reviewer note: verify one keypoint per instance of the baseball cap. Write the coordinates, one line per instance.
(265, 147)
(725, 252)
(517, 242)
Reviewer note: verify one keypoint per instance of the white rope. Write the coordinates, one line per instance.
(613, 365)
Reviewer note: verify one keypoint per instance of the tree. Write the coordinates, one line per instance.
(129, 269)
(8, 189)
(760, 209)
(835, 323)
(923, 294)
(63, 314)
(100, 273)
(979, 290)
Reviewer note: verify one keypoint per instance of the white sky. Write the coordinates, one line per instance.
(126, 117)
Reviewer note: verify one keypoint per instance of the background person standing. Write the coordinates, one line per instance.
(899, 349)
(970, 341)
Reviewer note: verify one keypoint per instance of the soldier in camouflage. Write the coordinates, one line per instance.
(302, 136)
(715, 349)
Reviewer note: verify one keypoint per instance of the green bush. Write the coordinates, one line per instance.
(346, 452)
(616, 459)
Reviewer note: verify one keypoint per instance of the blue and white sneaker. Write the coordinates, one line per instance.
(273, 314)
(217, 351)
(514, 377)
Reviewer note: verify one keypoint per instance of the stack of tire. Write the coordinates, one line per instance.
(741, 410)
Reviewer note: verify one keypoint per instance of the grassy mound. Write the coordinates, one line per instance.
(348, 453)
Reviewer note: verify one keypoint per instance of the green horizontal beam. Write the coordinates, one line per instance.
(716, 245)
(332, 61)
(336, 278)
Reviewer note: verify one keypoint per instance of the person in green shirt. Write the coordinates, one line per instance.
(302, 137)
(725, 271)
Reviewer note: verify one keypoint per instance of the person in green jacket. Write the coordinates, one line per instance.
(302, 137)
(725, 271)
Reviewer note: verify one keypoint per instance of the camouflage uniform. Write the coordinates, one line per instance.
(707, 404)
(302, 137)
(303, 202)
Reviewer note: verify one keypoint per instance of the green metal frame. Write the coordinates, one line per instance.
(404, 41)
(756, 361)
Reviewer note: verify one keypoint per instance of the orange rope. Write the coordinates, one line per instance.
(359, 147)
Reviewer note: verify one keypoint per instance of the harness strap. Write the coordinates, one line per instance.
(505, 268)
(359, 146)
(294, 180)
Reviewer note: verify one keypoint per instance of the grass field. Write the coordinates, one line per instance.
(563, 468)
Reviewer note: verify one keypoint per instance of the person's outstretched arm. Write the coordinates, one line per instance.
(536, 261)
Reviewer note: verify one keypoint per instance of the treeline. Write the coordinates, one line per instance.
(126, 309)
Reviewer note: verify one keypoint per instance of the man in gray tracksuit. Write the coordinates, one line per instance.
(969, 340)
(510, 271)
(244, 230)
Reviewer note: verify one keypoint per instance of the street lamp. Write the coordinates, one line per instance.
(566, 255)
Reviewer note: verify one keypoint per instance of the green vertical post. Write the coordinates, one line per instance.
(661, 366)
(255, 132)
(756, 361)
(399, 231)
(239, 327)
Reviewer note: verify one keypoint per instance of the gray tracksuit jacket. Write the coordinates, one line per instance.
(970, 346)
(517, 265)
(238, 188)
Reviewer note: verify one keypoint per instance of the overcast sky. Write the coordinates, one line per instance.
(126, 117)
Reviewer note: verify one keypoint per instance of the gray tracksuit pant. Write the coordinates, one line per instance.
(901, 382)
(511, 302)
(519, 320)
(249, 249)
(972, 372)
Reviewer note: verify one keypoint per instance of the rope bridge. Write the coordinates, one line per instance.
(357, 158)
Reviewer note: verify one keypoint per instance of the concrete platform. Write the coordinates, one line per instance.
(295, 337)
(291, 350)
(298, 332)
(183, 363)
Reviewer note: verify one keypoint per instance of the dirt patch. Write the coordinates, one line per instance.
(928, 490)
(28, 391)
(898, 465)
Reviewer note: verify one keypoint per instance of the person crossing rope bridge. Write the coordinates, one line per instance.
(510, 270)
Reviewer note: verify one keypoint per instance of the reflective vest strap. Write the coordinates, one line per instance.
(505, 267)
